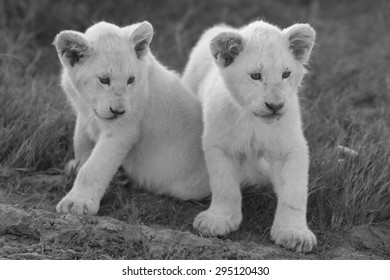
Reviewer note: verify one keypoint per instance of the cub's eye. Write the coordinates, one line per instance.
(104, 80)
(130, 80)
(256, 76)
(286, 74)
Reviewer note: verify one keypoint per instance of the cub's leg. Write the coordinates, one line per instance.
(95, 175)
(224, 214)
(290, 180)
(83, 146)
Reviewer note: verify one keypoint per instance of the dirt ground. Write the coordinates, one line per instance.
(30, 229)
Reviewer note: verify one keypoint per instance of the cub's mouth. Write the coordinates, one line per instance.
(107, 118)
(272, 116)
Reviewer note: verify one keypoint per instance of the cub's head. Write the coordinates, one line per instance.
(107, 66)
(263, 66)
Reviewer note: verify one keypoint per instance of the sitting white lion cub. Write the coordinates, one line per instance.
(131, 111)
(248, 85)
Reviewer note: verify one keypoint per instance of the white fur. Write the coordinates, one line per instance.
(241, 140)
(157, 139)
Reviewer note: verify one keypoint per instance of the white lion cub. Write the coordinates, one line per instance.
(131, 111)
(247, 80)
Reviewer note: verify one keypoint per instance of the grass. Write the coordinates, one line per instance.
(345, 102)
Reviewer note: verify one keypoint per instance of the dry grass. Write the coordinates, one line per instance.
(345, 101)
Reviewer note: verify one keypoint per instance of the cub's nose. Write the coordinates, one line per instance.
(274, 107)
(117, 113)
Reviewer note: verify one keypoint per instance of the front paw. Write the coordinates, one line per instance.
(217, 224)
(297, 239)
(78, 204)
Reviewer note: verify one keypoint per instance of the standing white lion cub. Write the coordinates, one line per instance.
(131, 111)
(247, 80)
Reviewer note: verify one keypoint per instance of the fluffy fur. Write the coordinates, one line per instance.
(247, 80)
(131, 111)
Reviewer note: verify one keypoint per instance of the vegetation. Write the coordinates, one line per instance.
(345, 101)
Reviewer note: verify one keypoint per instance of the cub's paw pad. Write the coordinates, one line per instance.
(211, 223)
(299, 240)
(77, 205)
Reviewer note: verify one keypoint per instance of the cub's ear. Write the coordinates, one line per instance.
(72, 47)
(141, 38)
(300, 38)
(225, 47)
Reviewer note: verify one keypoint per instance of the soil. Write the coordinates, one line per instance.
(30, 229)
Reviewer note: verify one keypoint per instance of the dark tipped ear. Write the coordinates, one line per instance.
(72, 47)
(141, 38)
(225, 47)
(300, 38)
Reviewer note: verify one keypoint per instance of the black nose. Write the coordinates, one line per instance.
(117, 113)
(274, 106)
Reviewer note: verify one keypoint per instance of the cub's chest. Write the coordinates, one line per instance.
(92, 128)
(254, 139)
